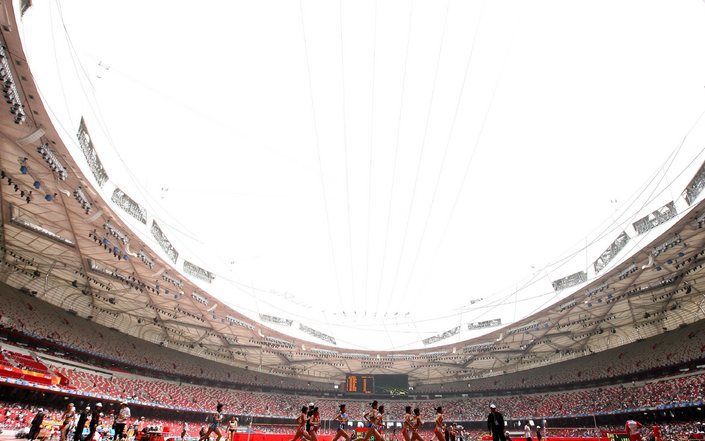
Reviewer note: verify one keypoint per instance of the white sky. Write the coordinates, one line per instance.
(563, 107)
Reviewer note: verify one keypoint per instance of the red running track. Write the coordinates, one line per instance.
(287, 437)
(273, 437)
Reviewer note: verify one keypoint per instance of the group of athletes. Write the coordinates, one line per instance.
(309, 421)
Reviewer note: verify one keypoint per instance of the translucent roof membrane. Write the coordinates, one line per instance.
(381, 175)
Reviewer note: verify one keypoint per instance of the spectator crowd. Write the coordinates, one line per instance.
(684, 390)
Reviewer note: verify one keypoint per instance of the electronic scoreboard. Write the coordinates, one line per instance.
(378, 384)
(359, 384)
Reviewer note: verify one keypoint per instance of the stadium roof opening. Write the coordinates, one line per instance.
(377, 175)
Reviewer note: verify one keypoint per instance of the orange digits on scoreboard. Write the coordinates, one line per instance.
(352, 383)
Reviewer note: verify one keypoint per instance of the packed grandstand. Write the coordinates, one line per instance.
(80, 358)
(98, 314)
(53, 353)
